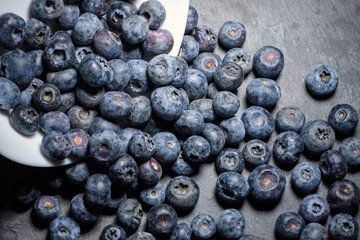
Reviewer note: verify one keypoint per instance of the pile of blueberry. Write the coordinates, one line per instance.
(126, 119)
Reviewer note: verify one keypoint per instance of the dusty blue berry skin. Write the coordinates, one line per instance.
(47, 208)
(305, 177)
(167, 147)
(81, 118)
(215, 136)
(318, 136)
(113, 232)
(166, 103)
(55, 121)
(241, 57)
(161, 69)
(263, 92)
(134, 29)
(189, 123)
(287, 147)
(268, 62)
(119, 11)
(207, 63)
(203, 226)
(25, 119)
(58, 225)
(195, 85)
(343, 197)
(37, 33)
(78, 174)
(55, 146)
(230, 224)
(79, 140)
(182, 193)
(95, 70)
(181, 72)
(196, 149)
(115, 104)
(123, 171)
(36, 57)
(322, 80)
(205, 107)
(230, 160)
(140, 112)
(226, 104)
(97, 7)
(314, 231)
(343, 118)
(46, 97)
(12, 30)
(157, 216)
(64, 80)
(142, 236)
(80, 53)
(157, 42)
(289, 119)
(256, 153)
(154, 12)
(125, 136)
(150, 172)
(27, 93)
(120, 77)
(104, 147)
(100, 124)
(229, 76)
(181, 232)
(212, 90)
(139, 82)
(141, 146)
(85, 28)
(68, 17)
(189, 49)
(153, 195)
(107, 44)
(130, 214)
(81, 213)
(67, 100)
(18, 67)
(232, 34)
(206, 37)
(267, 184)
(333, 166)
(47, 10)
(233, 129)
(289, 225)
(59, 52)
(232, 188)
(314, 208)
(350, 149)
(97, 191)
(89, 96)
(192, 20)
(10, 94)
(343, 226)
(182, 167)
(258, 123)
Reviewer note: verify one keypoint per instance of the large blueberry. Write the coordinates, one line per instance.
(64, 228)
(256, 153)
(314, 208)
(343, 118)
(9, 94)
(229, 76)
(207, 63)
(268, 62)
(322, 80)
(206, 37)
(55, 146)
(80, 212)
(161, 69)
(344, 197)
(115, 104)
(129, 215)
(161, 220)
(119, 11)
(154, 12)
(232, 34)
(167, 147)
(344, 227)
(25, 119)
(306, 177)
(12, 30)
(139, 82)
(241, 57)
(123, 171)
(182, 193)
(203, 226)
(350, 149)
(226, 104)
(230, 159)
(47, 9)
(234, 130)
(134, 29)
(230, 224)
(104, 147)
(85, 28)
(258, 123)
(37, 33)
(166, 103)
(289, 225)
(107, 44)
(263, 92)
(333, 166)
(189, 48)
(232, 188)
(289, 119)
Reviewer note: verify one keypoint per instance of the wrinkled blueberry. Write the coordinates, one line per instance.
(343, 226)
(256, 153)
(47, 9)
(232, 188)
(230, 160)
(123, 171)
(113, 232)
(25, 119)
(228, 76)
(333, 166)
(95, 70)
(182, 193)
(287, 147)
(141, 146)
(12, 30)
(241, 57)
(129, 215)
(206, 37)
(119, 11)
(314, 208)
(37, 33)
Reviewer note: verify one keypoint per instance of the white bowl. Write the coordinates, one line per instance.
(26, 149)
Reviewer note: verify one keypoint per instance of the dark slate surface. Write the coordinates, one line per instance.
(309, 32)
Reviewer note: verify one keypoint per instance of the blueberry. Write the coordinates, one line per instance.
(215, 136)
(104, 147)
(195, 85)
(115, 104)
(268, 62)
(125, 136)
(68, 17)
(37, 58)
(207, 63)
(47, 9)
(350, 150)
(206, 37)
(314, 208)
(25, 119)
(161, 220)
(343, 197)
(18, 67)
(229, 76)
(189, 48)
(230, 224)
(81, 213)
(167, 147)
(123, 171)
(343, 118)
(55, 121)
(27, 194)
(343, 226)
(161, 69)
(139, 82)
(154, 12)
(267, 184)
(64, 228)
(150, 172)
(233, 129)
(130, 52)
(97, 7)
(79, 140)
(263, 92)
(101, 124)
(258, 123)
(120, 77)
(154, 126)
(306, 177)
(182, 167)
(97, 191)
(37, 33)
(157, 42)
(141, 146)
(119, 11)
(203, 226)
(256, 153)
(55, 146)
(333, 166)
(287, 147)
(129, 215)
(182, 193)
(80, 117)
(142, 236)
(241, 57)
(322, 80)
(85, 28)
(67, 101)
(192, 20)
(196, 149)
(226, 104)
(166, 103)
(314, 231)
(212, 90)
(113, 232)
(232, 34)
(47, 208)
(89, 96)
(289, 225)
(230, 160)
(181, 73)
(134, 29)
(118, 195)
(46, 97)
(289, 119)
(205, 107)
(95, 70)
(64, 80)
(78, 174)
(153, 195)
(80, 54)
(10, 94)
(141, 111)
(27, 93)
(107, 44)
(181, 232)
(232, 188)
(189, 123)
(12, 30)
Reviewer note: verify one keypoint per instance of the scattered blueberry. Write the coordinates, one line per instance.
(47, 208)
(289, 119)
(258, 123)
(228, 76)
(232, 188)
(289, 225)
(129, 215)
(182, 193)
(314, 208)
(333, 166)
(113, 232)
(256, 153)
(232, 34)
(343, 118)
(230, 160)
(268, 62)
(206, 37)
(350, 150)
(306, 177)
(322, 80)
(343, 226)
(263, 92)
(203, 226)
(64, 228)
(343, 197)
(241, 57)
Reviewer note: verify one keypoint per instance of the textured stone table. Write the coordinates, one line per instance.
(309, 32)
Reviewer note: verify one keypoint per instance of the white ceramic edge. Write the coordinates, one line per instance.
(26, 149)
